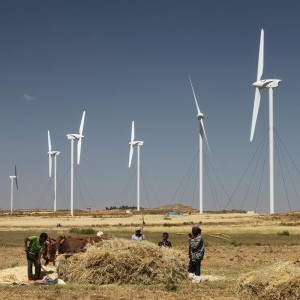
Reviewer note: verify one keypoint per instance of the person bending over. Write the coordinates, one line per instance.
(34, 247)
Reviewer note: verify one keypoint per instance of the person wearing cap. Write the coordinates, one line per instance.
(138, 235)
(34, 251)
(99, 233)
(196, 250)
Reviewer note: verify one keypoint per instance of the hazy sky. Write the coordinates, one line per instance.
(129, 60)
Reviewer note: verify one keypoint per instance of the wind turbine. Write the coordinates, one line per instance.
(202, 134)
(12, 179)
(52, 153)
(135, 144)
(75, 137)
(259, 85)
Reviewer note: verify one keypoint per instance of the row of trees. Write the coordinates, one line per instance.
(123, 207)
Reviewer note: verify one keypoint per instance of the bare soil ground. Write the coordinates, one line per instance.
(255, 241)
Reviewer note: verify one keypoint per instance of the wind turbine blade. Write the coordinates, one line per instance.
(255, 112)
(49, 142)
(80, 139)
(130, 155)
(82, 123)
(78, 150)
(198, 109)
(49, 150)
(260, 67)
(16, 177)
(203, 133)
(132, 132)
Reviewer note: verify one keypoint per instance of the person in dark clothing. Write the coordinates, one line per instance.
(34, 252)
(196, 250)
(165, 242)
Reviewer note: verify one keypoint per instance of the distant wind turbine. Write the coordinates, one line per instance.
(202, 134)
(75, 137)
(259, 85)
(12, 179)
(51, 154)
(135, 144)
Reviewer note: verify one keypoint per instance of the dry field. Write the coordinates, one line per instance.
(256, 241)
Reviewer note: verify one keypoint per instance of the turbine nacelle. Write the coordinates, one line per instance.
(200, 116)
(13, 177)
(53, 153)
(266, 83)
(136, 143)
(75, 136)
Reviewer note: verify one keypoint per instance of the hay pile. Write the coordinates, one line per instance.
(123, 261)
(17, 274)
(278, 281)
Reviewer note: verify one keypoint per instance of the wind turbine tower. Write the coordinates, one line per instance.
(78, 138)
(52, 154)
(202, 134)
(259, 85)
(12, 179)
(135, 144)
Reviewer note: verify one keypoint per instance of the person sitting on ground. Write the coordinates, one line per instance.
(196, 250)
(165, 242)
(138, 236)
(34, 251)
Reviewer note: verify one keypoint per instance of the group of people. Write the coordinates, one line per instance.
(139, 236)
(35, 246)
(196, 246)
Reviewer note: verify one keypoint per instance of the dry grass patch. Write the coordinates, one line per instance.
(123, 261)
(278, 281)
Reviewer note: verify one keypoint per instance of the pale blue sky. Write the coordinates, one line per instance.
(129, 60)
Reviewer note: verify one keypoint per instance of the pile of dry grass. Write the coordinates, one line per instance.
(278, 281)
(123, 261)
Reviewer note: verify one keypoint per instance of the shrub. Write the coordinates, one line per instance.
(284, 232)
(236, 243)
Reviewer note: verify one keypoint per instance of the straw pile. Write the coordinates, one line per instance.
(278, 281)
(123, 261)
(18, 274)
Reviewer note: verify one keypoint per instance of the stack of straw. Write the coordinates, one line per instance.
(278, 281)
(123, 261)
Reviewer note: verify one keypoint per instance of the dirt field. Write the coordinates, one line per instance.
(235, 244)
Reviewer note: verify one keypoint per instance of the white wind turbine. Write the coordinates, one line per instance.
(51, 154)
(12, 179)
(259, 85)
(202, 134)
(135, 144)
(75, 137)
